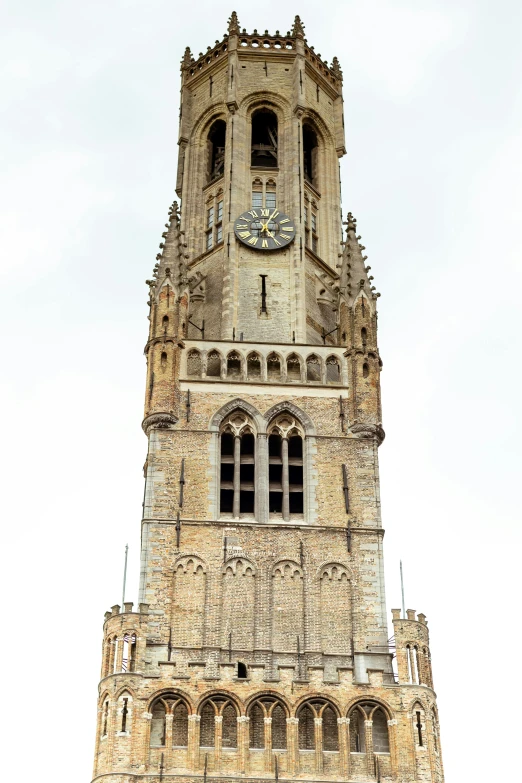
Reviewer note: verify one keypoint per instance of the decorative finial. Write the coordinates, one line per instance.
(351, 223)
(336, 68)
(187, 57)
(233, 24)
(298, 28)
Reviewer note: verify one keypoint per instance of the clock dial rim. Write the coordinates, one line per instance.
(263, 241)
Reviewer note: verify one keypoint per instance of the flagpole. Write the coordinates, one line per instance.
(124, 577)
(402, 591)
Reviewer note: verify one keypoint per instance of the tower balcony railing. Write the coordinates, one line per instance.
(259, 363)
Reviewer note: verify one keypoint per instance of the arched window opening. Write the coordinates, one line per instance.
(124, 713)
(357, 732)
(194, 364)
(333, 370)
(293, 368)
(278, 728)
(366, 370)
(257, 193)
(165, 323)
(295, 473)
(381, 741)
(128, 660)
(207, 726)
(216, 149)
(364, 337)
(157, 725)
(418, 726)
(273, 367)
(253, 366)
(233, 365)
(247, 475)
(330, 730)
(275, 474)
(180, 726)
(113, 647)
(257, 727)
(227, 473)
(229, 737)
(416, 667)
(264, 139)
(241, 670)
(238, 456)
(306, 729)
(163, 360)
(313, 369)
(105, 718)
(270, 195)
(409, 662)
(435, 732)
(310, 154)
(107, 657)
(213, 365)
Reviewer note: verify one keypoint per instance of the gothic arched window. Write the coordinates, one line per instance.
(273, 367)
(293, 367)
(264, 139)
(216, 140)
(310, 148)
(223, 708)
(238, 456)
(285, 466)
(313, 368)
(333, 370)
(367, 717)
(269, 709)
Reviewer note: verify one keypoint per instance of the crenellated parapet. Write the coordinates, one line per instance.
(124, 640)
(412, 643)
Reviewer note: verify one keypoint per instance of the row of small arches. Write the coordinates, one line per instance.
(255, 367)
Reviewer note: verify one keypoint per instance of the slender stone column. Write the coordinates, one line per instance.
(392, 739)
(318, 731)
(268, 744)
(261, 478)
(218, 741)
(237, 475)
(368, 739)
(169, 719)
(286, 481)
(293, 745)
(193, 742)
(145, 739)
(344, 746)
(242, 741)
(111, 733)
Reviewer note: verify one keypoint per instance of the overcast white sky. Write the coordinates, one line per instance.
(89, 105)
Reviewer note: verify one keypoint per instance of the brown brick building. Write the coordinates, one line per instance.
(260, 648)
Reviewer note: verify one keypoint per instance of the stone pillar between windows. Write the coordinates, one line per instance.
(368, 738)
(268, 744)
(193, 742)
(237, 476)
(145, 739)
(344, 746)
(286, 481)
(119, 656)
(261, 478)
(392, 739)
(242, 742)
(169, 719)
(293, 745)
(218, 741)
(318, 731)
(111, 733)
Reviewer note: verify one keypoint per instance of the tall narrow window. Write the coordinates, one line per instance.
(418, 726)
(216, 150)
(315, 239)
(124, 713)
(157, 725)
(306, 729)
(310, 154)
(210, 224)
(273, 367)
(219, 222)
(285, 465)
(105, 718)
(257, 193)
(237, 488)
(180, 726)
(264, 139)
(270, 195)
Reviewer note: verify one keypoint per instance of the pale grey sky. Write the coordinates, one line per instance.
(433, 114)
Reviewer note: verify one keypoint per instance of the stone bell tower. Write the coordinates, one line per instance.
(260, 646)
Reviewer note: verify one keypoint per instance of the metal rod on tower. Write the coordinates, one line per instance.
(124, 576)
(230, 646)
(181, 482)
(402, 591)
(178, 529)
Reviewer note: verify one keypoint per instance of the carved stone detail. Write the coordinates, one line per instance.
(158, 421)
(369, 431)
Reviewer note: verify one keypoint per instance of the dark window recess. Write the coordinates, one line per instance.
(216, 149)
(310, 154)
(419, 727)
(241, 670)
(264, 139)
(226, 501)
(227, 473)
(275, 475)
(124, 713)
(295, 474)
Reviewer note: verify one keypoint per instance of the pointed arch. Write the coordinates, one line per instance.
(239, 404)
(294, 410)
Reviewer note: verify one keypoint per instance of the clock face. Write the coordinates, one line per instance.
(264, 229)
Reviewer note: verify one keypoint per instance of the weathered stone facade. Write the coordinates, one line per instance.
(261, 646)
